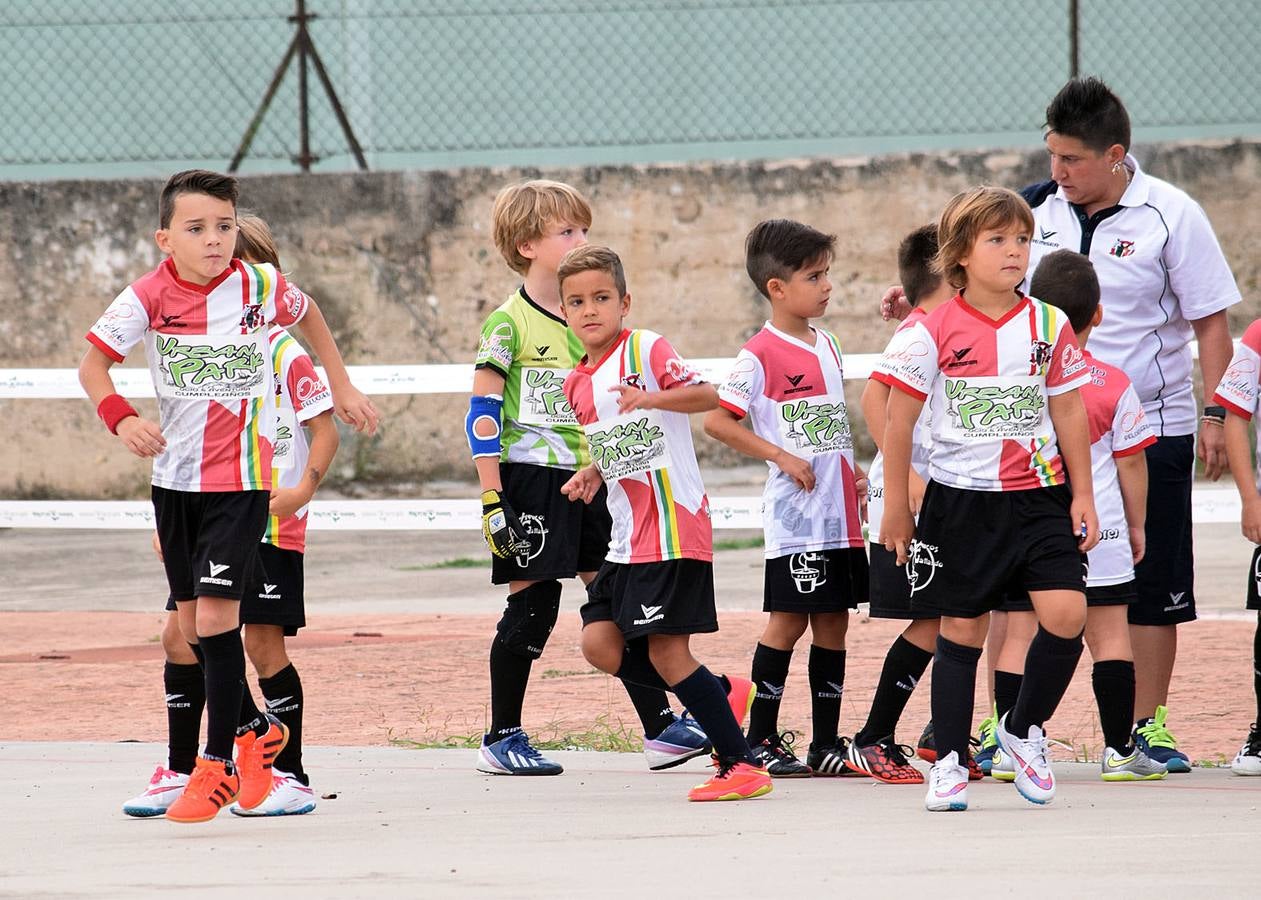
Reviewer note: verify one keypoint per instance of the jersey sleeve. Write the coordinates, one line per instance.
(668, 368)
(308, 394)
(1238, 389)
(1198, 271)
(500, 343)
(910, 362)
(1131, 431)
(745, 381)
(1068, 369)
(287, 304)
(120, 327)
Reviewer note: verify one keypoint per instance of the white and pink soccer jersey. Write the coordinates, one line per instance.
(301, 395)
(793, 393)
(656, 497)
(208, 354)
(1118, 427)
(1241, 385)
(987, 382)
(921, 441)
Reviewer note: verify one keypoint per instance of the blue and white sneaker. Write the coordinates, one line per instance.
(1153, 738)
(513, 755)
(682, 740)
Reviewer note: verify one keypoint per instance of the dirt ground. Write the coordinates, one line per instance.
(376, 679)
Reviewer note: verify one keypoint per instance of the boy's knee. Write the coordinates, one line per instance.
(529, 618)
(175, 645)
(265, 647)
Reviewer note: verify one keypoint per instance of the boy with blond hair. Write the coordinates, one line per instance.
(526, 445)
(205, 317)
(788, 380)
(632, 393)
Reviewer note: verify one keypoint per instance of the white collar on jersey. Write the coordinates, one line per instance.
(783, 335)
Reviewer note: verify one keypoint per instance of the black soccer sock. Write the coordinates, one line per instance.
(1113, 681)
(652, 706)
(954, 685)
(637, 667)
(1256, 669)
(769, 675)
(197, 652)
(283, 693)
(1006, 690)
(251, 717)
(225, 679)
(509, 675)
(185, 699)
(706, 699)
(1049, 668)
(904, 666)
(826, 670)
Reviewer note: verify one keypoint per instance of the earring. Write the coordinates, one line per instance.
(1117, 167)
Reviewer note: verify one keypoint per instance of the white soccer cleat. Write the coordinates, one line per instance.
(288, 797)
(164, 789)
(947, 785)
(1034, 779)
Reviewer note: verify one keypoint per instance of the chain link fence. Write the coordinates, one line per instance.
(94, 88)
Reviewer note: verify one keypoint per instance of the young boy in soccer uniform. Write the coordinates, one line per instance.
(632, 393)
(204, 316)
(272, 605)
(788, 380)
(1119, 433)
(874, 750)
(526, 444)
(1240, 393)
(997, 515)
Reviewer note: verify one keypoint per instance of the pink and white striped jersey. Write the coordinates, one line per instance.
(207, 351)
(301, 395)
(794, 395)
(1118, 427)
(656, 497)
(986, 382)
(1240, 387)
(921, 441)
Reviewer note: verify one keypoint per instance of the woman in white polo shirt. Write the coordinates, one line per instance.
(1164, 281)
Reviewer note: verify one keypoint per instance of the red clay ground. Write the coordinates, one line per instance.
(382, 678)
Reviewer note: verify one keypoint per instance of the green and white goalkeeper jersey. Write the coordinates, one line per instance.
(534, 351)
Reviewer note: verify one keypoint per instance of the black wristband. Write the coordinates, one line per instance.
(1215, 412)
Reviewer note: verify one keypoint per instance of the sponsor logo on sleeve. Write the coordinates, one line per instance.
(294, 300)
(496, 347)
(1072, 361)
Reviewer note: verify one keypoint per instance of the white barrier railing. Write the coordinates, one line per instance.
(1210, 504)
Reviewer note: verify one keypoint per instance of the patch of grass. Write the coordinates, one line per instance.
(565, 673)
(459, 562)
(739, 543)
(604, 734)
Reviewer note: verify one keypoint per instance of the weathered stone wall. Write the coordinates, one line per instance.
(403, 267)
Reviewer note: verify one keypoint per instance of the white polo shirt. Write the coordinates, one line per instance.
(1159, 267)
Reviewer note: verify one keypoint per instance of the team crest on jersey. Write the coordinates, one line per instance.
(922, 565)
(252, 317)
(1040, 353)
(1121, 248)
(809, 571)
(634, 379)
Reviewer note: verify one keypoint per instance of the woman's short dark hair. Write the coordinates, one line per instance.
(1086, 109)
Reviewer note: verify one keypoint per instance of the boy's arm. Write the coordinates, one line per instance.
(1132, 477)
(324, 441)
(352, 405)
(897, 529)
(1072, 432)
(141, 436)
(1239, 458)
(501, 529)
(487, 382)
(722, 425)
(685, 398)
(875, 404)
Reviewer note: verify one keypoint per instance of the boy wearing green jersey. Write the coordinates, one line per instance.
(526, 444)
